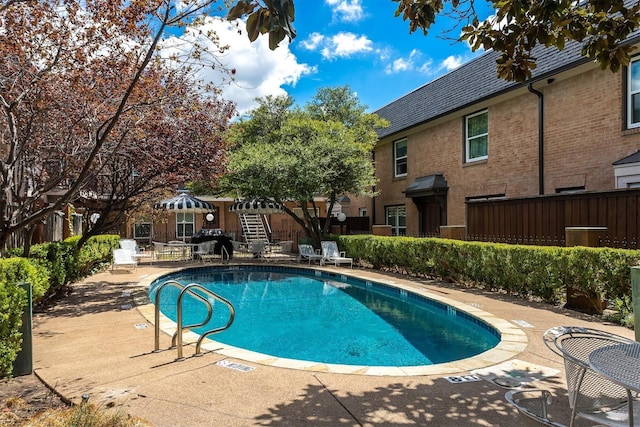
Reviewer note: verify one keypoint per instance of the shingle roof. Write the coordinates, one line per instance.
(633, 158)
(469, 84)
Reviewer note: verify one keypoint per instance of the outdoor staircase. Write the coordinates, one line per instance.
(254, 227)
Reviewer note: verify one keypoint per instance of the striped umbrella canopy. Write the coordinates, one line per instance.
(256, 206)
(183, 202)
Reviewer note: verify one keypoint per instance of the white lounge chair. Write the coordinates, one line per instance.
(331, 254)
(137, 254)
(123, 258)
(307, 252)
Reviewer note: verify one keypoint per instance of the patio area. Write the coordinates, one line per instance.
(99, 342)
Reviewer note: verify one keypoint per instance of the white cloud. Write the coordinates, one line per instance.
(415, 62)
(259, 71)
(345, 45)
(346, 10)
(399, 65)
(409, 63)
(452, 62)
(313, 42)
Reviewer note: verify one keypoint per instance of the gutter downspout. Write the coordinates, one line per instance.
(373, 199)
(540, 137)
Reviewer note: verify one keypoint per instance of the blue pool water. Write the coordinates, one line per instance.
(318, 316)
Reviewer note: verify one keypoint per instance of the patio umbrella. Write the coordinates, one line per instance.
(256, 206)
(183, 202)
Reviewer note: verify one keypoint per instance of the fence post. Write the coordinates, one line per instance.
(635, 298)
(23, 364)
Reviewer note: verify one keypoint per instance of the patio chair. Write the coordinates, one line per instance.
(258, 249)
(239, 248)
(591, 396)
(162, 250)
(137, 254)
(331, 254)
(204, 250)
(123, 258)
(307, 252)
(533, 405)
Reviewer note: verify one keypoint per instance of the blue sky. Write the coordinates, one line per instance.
(359, 43)
(363, 45)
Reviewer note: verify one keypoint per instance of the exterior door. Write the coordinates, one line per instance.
(431, 216)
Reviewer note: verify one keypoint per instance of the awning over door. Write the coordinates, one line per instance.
(430, 185)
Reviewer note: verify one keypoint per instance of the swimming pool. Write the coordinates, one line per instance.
(324, 317)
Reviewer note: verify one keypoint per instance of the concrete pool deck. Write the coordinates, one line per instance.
(100, 339)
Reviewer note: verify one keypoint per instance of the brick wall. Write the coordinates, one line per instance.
(583, 137)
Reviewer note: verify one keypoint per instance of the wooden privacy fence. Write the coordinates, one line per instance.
(542, 220)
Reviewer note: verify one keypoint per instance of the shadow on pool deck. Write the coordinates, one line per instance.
(96, 341)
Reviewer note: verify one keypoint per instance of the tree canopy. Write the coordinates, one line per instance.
(323, 149)
(602, 27)
(89, 109)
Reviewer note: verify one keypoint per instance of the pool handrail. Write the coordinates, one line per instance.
(176, 340)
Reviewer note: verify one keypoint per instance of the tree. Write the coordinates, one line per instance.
(602, 27)
(312, 153)
(87, 101)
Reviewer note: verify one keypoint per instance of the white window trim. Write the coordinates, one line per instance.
(630, 123)
(184, 223)
(395, 229)
(135, 236)
(396, 158)
(467, 139)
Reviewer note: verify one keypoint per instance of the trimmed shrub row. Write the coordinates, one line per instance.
(50, 266)
(543, 272)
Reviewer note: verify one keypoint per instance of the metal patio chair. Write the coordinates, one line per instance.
(533, 405)
(591, 396)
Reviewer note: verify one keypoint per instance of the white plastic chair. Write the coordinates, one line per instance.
(307, 252)
(123, 258)
(204, 250)
(330, 253)
(258, 248)
(132, 245)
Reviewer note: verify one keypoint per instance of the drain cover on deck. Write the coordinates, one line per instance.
(234, 365)
(463, 379)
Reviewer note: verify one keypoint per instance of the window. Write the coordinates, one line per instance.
(397, 219)
(477, 136)
(633, 97)
(142, 230)
(184, 224)
(362, 212)
(400, 158)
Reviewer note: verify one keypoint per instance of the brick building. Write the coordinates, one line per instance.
(469, 135)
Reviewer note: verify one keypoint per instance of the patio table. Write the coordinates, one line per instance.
(620, 364)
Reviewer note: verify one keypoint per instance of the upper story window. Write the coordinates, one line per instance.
(476, 136)
(400, 158)
(633, 97)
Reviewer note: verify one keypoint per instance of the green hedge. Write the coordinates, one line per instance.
(50, 266)
(544, 272)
